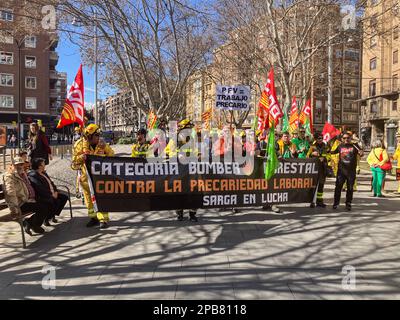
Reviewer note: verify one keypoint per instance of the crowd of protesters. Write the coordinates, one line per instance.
(29, 188)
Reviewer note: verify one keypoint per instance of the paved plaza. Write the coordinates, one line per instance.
(297, 254)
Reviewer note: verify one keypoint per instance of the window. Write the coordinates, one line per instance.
(30, 42)
(374, 107)
(30, 103)
(372, 88)
(30, 82)
(373, 41)
(6, 38)
(30, 62)
(6, 57)
(394, 106)
(6, 15)
(6, 80)
(374, 21)
(6, 101)
(395, 83)
(337, 106)
(372, 64)
(395, 56)
(396, 32)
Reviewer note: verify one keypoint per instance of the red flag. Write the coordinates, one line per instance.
(73, 111)
(268, 108)
(294, 116)
(306, 112)
(329, 132)
(275, 111)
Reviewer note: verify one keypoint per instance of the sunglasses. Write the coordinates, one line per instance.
(346, 138)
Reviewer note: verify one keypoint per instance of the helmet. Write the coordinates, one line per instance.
(243, 134)
(92, 129)
(258, 132)
(185, 123)
(77, 129)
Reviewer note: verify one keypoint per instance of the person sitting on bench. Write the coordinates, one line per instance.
(46, 191)
(21, 195)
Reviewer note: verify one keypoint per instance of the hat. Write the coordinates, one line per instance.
(185, 123)
(92, 129)
(243, 134)
(18, 160)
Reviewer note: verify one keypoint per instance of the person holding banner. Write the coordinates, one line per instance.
(141, 148)
(182, 148)
(320, 150)
(262, 152)
(347, 165)
(90, 144)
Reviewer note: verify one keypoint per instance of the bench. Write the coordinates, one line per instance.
(6, 216)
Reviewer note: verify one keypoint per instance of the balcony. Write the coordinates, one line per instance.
(53, 75)
(53, 57)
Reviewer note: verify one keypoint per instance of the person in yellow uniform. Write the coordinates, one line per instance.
(173, 150)
(90, 144)
(335, 157)
(396, 155)
(141, 148)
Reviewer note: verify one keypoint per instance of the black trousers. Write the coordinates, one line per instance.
(41, 212)
(349, 178)
(57, 205)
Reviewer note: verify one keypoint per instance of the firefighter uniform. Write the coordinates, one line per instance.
(82, 148)
(322, 150)
(335, 157)
(140, 150)
(396, 155)
(172, 150)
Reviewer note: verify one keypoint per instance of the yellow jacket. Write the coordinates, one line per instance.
(396, 155)
(82, 148)
(140, 150)
(374, 156)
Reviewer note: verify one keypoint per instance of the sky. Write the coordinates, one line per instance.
(69, 61)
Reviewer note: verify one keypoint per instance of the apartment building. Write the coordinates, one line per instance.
(29, 82)
(234, 65)
(119, 114)
(380, 113)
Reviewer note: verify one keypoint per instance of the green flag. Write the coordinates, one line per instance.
(272, 160)
(307, 127)
(285, 122)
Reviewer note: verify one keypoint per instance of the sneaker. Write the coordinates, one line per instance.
(93, 222)
(312, 205)
(104, 225)
(321, 205)
(275, 209)
(38, 230)
(27, 227)
(54, 220)
(47, 223)
(381, 196)
(348, 206)
(334, 207)
(192, 217)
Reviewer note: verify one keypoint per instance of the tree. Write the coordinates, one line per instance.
(287, 35)
(150, 47)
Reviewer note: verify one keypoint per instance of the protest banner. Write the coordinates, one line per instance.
(130, 184)
(232, 97)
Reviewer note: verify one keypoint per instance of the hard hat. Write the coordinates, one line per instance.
(243, 134)
(92, 129)
(185, 123)
(258, 132)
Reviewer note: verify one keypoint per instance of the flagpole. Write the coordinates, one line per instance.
(95, 71)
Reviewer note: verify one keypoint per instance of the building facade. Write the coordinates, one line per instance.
(231, 67)
(118, 113)
(29, 82)
(380, 113)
